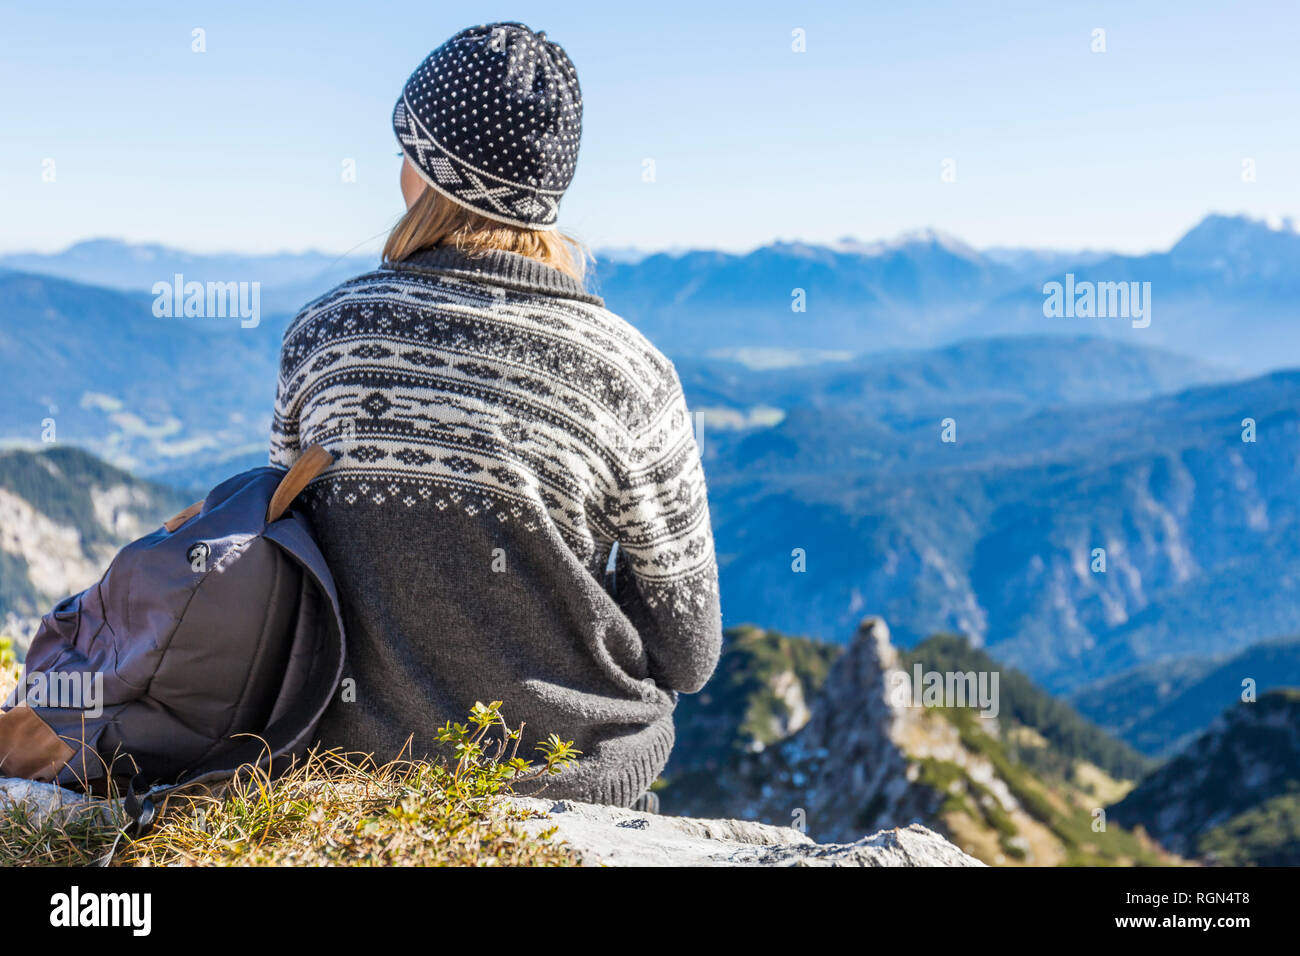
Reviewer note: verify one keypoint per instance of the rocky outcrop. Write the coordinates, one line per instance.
(1007, 790)
(846, 772)
(616, 837)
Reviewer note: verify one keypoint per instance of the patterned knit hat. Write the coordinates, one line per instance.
(492, 121)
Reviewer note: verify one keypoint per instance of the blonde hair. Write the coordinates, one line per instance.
(434, 220)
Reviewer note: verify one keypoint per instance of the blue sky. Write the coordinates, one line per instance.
(241, 147)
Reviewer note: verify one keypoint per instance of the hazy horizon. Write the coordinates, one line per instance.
(1275, 223)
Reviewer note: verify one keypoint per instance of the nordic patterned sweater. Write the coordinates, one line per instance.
(496, 431)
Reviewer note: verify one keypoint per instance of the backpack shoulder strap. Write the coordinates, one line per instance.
(174, 522)
(309, 464)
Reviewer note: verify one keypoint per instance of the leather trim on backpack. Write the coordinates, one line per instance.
(311, 463)
(29, 748)
(178, 519)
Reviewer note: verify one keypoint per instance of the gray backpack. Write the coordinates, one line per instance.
(214, 643)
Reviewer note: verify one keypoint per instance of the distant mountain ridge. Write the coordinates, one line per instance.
(183, 398)
(1225, 292)
(288, 280)
(1160, 707)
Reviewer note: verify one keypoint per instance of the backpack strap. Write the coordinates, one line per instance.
(174, 522)
(309, 465)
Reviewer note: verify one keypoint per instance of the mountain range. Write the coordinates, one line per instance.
(288, 280)
(99, 369)
(1107, 515)
(824, 431)
(831, 512)
(1159, 708)
(1225, 292)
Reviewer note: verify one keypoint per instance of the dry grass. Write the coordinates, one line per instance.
(330, 810)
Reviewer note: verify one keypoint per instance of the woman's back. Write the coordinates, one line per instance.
(496, 431)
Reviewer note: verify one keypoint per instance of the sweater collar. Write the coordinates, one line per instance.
(508, 269)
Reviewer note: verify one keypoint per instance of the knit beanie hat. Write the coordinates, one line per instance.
(492, 121)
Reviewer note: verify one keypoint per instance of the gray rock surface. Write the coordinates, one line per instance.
(618, 837)
(40, 801)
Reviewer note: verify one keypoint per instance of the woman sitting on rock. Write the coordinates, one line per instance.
(496, 432)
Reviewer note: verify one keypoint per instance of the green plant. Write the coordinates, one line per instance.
(331, 809)
(486, 752)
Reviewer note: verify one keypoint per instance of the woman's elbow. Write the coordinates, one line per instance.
(695, 662)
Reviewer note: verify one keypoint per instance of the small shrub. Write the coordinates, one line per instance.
(332, 809)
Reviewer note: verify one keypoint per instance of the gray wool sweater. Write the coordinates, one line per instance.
(496, 430)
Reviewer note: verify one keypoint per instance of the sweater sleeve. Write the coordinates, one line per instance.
(285, 440)
(666, 539)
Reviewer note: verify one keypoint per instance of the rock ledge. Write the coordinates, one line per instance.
(618, 837)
